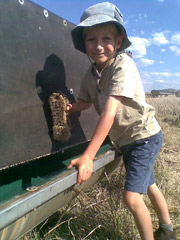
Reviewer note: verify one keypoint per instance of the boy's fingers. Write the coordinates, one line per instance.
(84, 171)
(79, 180)
(68, 107)
(72, 164)
(83, 176)
(69, 166)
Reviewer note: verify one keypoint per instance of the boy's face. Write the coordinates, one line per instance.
(101, 42)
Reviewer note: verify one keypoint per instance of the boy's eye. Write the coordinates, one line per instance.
(90, 39)
(107, 38)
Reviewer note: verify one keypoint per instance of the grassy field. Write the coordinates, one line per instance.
(100, 214)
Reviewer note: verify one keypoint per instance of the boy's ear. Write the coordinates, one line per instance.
(119, 41)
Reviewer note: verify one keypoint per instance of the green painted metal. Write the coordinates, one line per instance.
(16, 180)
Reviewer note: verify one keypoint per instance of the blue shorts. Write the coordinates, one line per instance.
(139, 158)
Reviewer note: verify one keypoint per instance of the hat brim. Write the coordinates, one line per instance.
(77, 32)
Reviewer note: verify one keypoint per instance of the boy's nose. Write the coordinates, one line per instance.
(99, 45)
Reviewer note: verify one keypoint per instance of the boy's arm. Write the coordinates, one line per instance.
(78, 106)
(85, 162)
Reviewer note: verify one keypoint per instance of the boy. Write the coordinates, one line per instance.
(112, 84)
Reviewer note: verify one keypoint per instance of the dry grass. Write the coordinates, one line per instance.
(167, 168)
(100, 214)
(167, 109)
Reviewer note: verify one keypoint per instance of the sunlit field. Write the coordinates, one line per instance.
(100, 214)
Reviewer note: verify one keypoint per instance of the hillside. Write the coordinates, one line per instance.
(168, 91)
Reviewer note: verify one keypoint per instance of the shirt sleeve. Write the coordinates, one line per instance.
(124, 78)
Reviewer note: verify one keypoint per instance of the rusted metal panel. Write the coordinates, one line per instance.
(37, 57)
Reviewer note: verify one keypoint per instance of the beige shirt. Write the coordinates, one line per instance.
(135, 119)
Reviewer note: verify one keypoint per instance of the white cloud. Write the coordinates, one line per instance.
(143, 62)
(176, 74)
(165, 74)
(160, 81)
(176, 39)
(159, 38)
(163, 50)
(141, 17)
(176, 50)
(125, 22)
(146, 75)
(138, 47)
(161, 62)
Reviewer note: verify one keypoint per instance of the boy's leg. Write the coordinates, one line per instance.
(159, 203)
(136, 205)
(139, 158)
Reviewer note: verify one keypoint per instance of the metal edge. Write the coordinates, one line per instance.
(26, 204)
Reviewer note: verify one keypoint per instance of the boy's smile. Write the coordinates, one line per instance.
(101, 43)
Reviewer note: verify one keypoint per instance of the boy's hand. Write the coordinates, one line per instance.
(85, 167)
(68, 108)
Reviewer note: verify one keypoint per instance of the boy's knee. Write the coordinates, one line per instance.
(132, 200)
(128, 199)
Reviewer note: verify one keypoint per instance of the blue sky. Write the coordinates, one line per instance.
(153, 26)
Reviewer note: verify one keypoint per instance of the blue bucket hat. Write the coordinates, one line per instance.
(98, 14)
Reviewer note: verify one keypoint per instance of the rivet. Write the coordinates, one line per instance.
(39, 89)
(21, 2)
(65, 23)
(46, 14)
(71, 91)
(32, 189)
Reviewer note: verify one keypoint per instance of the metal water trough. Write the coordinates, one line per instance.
(37, 58)
(28, 199)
